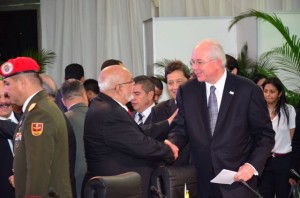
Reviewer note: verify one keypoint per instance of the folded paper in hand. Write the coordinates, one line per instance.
(224, 177)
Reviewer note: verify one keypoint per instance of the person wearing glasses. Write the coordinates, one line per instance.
(225, 118)
(114, 143)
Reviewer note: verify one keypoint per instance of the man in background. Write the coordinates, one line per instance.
(75, 99)
(176, 73)
(91, 88)
(143, 99)
(72, 71)
(6, 145)
(158, 88)
(232, 64)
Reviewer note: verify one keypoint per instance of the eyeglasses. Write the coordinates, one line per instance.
(129, 82)
(199, 62)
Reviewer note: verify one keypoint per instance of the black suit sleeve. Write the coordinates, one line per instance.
(158, 131)
(7, 129)
(296, 145)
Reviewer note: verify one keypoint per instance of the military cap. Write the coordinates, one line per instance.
(18, 65)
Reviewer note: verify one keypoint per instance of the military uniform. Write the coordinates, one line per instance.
(41, 150)
(41, 157)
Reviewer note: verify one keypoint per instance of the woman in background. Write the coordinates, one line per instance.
(275, 178)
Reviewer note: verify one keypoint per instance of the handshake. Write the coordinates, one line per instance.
(173, 147)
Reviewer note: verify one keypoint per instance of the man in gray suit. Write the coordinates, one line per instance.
(75, 99)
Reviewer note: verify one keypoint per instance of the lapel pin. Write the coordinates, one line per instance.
(231, 92)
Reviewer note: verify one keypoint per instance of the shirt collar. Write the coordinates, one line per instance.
(11, 117)
(27, 101)
(219, 84)
(147, 112)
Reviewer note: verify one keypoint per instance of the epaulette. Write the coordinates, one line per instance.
(31, 107)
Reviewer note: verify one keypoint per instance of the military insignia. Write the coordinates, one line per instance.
(6, 68)
(18, 138)
(31, 107)
(37, 128)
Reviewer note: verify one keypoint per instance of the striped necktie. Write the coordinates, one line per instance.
(140, 121)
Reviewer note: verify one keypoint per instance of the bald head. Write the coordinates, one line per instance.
(208, 61)
(116, 82)
(111, 76)
(49, 85)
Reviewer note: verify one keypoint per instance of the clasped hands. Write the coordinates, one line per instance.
(173, 147)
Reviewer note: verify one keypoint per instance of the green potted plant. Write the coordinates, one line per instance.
(285, 57)
(42, 57)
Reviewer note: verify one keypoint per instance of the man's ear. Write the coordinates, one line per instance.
(151, 95)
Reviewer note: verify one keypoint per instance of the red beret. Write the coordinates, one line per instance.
(17, 66)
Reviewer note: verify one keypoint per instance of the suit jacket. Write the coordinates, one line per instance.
(41, 150)
(72, 155)
(158, 130)
(6, 158)
(147, 121)
(163, 110)
(115, 144)
(296, 146)
(243, 131)
(76, 116)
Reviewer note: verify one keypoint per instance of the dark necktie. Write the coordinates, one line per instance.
(140, 121)
(212, 109)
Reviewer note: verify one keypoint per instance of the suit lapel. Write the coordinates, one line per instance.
(228, 93)
(203, 104)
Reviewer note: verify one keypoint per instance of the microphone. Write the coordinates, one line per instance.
(295, 173)
(53, 193)
(249, 187)
(157, 192)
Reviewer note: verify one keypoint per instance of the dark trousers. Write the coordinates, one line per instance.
(274, 180)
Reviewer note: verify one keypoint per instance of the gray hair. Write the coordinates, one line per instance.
(216, 51)
(72, 88)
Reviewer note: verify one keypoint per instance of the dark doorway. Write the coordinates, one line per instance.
(18, 32)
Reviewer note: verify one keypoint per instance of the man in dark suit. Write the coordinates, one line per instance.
(143, 99)
(40, 140)
(72, 71)
(6, 148)
(228, 125)
(176, 73)
(113, 142)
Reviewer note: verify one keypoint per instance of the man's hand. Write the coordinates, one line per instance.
(171, 118)
(245, 173)
(173, 147)
(12, 180)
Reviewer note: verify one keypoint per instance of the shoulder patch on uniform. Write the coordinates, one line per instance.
(31, 107)
(37, 128)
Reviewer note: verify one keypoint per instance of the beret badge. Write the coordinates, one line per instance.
(7, 68)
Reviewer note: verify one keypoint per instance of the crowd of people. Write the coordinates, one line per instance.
(53, 141)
